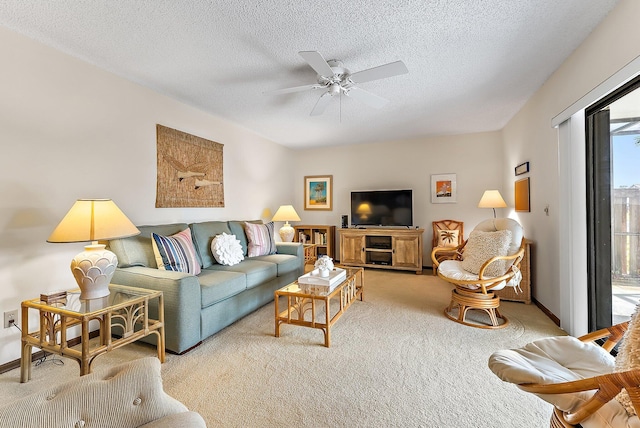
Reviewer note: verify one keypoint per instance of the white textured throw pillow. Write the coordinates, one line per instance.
(628, 357)
(482, 246)
(226, 249)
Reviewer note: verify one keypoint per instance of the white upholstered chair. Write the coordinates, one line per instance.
(579, 377)
(488, 261)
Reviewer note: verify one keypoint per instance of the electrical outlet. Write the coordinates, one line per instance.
(10, 317)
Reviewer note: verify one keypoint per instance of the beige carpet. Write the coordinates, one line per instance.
(395, 360)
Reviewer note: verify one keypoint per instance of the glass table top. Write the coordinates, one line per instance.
(119, 294)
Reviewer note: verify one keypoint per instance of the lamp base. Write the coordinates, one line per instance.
(93, 269)
(286, 233)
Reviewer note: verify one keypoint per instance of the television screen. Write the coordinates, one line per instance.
(382, 208)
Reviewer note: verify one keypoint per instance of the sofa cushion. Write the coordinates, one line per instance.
(260, 238)
(137, 250)
(257, 272)
(219, 285)
(285, 263)
(176, 252)
(203, 234)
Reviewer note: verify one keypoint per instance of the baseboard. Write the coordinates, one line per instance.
(42, 354)
(547, 312)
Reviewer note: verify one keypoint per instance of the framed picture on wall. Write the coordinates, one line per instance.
(318, 192)
(523, 168)
(522, 195)
(443, 189)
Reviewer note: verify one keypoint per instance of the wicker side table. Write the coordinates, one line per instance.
(523, 293)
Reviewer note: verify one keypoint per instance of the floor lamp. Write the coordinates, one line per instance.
(492, 199)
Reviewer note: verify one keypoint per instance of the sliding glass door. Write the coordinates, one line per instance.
(613, 199)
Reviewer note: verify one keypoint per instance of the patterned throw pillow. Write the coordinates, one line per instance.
(448, 238)
(482, 246)
(176, 252)
(226, 249)
(260, 237)
(628, 357)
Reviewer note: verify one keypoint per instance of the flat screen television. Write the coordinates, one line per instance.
(382, 208)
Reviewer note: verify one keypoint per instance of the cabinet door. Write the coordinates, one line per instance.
(352, 249)
(406, 252)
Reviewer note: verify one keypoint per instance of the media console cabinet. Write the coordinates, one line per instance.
(399, 249)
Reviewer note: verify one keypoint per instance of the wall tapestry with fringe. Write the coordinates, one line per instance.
(189, 170)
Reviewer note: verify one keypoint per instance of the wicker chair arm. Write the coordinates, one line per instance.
(448, 253)
(517, 257)
(613, 334)
(607, 386)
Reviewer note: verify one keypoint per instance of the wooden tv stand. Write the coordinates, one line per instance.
(390, 248)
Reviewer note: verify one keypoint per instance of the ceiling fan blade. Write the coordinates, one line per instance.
(321, 104)
(366, 97)
(317, 62)
(294, 89)
(380, 72)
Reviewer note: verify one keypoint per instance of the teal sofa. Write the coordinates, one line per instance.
(197, 307)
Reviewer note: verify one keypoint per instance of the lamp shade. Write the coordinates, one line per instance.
(286, 213)
(93, 220)
(492, 199)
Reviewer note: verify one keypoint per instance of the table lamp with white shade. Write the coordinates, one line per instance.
(93, 220)
(492, 199)
(286, 213)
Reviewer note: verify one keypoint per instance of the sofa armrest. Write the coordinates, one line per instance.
(184, 419)
(291, 248)
(182, 302)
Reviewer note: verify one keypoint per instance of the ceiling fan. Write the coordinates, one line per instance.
(334, 79)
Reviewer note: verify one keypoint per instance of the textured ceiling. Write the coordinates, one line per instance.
(472, 64)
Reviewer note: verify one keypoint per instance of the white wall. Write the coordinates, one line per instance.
(476, 159)
(530, 137)
(69, 130)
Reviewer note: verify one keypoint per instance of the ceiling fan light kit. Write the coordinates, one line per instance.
(334, 79)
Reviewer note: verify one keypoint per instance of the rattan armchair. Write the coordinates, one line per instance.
(588, 401)
(447, 236)
(475, 291)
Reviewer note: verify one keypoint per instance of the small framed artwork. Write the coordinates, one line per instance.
(523, 168)
(318, 192)
(443, 189)
(522, 195)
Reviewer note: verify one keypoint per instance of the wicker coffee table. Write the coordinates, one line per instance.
(302, 309)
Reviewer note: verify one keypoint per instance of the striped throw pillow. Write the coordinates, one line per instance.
(176, 252)
(260, 237)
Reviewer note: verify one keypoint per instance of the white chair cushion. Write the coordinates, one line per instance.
(453, 269)
(562, 359)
